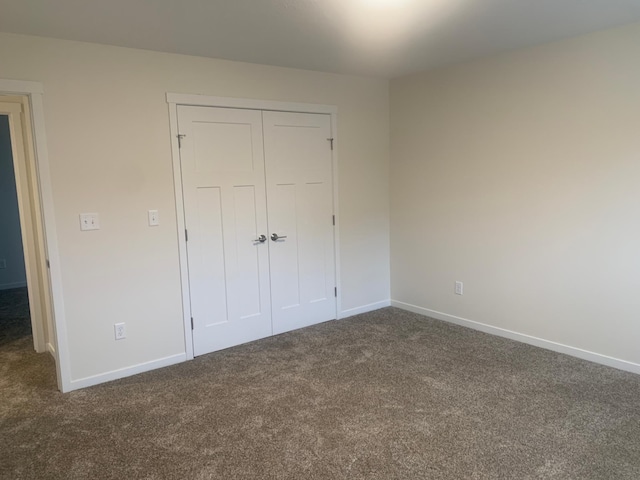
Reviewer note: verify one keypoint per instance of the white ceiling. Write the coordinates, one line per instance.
(385, 38)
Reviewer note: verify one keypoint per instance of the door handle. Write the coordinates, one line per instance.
(261, 239)
(275, 237)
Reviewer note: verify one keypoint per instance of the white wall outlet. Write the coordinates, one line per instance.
(154, 218)
(89, 221)
(120, 331)
(459, 288)
(3, 263)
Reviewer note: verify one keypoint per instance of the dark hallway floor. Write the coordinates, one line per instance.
(15, 321)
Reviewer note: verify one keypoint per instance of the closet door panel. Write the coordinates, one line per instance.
(300, 207)
(223, 177)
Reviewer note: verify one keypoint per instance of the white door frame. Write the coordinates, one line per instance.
(175, 99)
(16, 109)
(58, 342)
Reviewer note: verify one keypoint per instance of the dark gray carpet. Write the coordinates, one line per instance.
(385, 395)
(15, 321)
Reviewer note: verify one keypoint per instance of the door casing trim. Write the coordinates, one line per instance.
(34, 91)
(178, 99)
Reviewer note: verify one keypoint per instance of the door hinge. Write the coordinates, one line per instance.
(48, 263)
(186, 235)
(191, 323)
(335, 291)
(334, 220)
(180, 137)
(330, 140)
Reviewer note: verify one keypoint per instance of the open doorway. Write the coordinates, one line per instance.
(22, 102)
(26, 321)
(15, 318)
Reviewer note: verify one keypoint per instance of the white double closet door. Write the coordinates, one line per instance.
(258, 207)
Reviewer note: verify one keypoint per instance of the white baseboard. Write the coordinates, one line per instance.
(51, 349)
(8, 286)
(521, 337)
(364, 309)
(172, 360)
(126, 372)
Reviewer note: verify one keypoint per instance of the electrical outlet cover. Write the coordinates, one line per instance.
(120, 331)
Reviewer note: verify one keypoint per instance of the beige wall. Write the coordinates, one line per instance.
(109, 147)
(520, 176)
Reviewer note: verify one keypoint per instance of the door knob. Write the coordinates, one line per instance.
(261, 239)
(275, 236)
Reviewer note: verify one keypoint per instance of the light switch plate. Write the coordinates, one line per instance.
(89, 221)
(154, 218)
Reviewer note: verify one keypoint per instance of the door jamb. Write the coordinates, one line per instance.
(28, 209)
(34, 92)
(176, 99)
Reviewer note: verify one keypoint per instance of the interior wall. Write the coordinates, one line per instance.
(109, 150)
(519, 175)
(13, 275)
